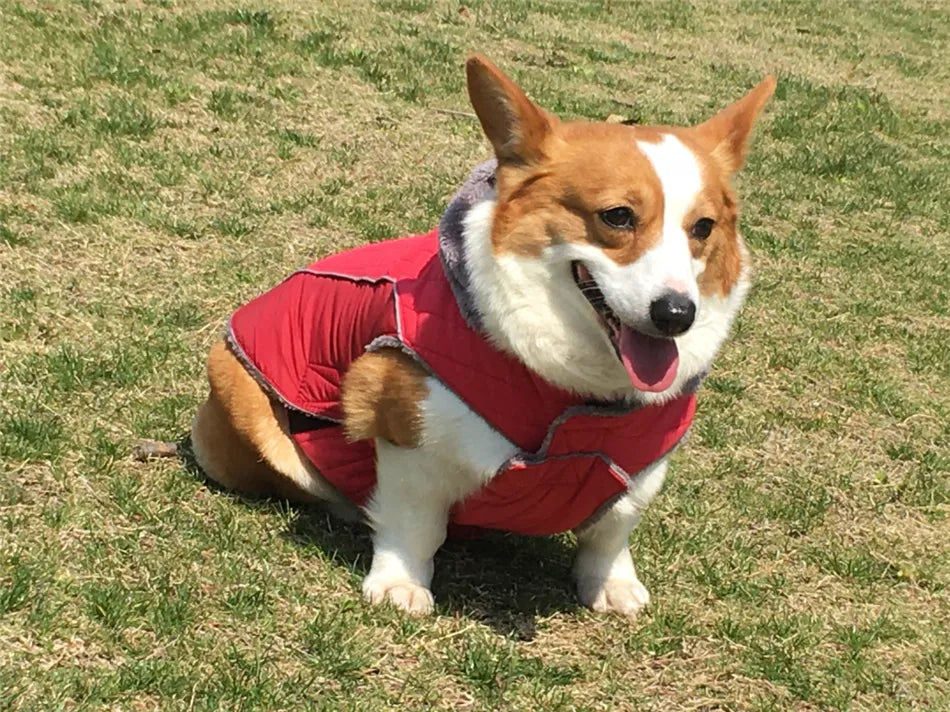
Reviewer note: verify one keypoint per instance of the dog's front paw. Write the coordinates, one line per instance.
(404, 594)
(625, 596)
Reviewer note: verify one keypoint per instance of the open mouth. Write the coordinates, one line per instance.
(649, 361)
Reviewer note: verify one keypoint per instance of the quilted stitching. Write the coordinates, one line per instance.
(300, 338)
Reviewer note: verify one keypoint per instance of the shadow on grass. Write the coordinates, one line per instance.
(505, 581)
(502, 580)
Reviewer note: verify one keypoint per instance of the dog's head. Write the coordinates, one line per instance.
(615, 266)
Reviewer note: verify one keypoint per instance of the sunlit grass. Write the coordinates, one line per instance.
(162, 162)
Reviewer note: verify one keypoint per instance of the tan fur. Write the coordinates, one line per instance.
(559, 198)
(553, 181)
(550, 191)
(382, 393)
(240, 436)
(726, 135)
(720, 251)
(515, 126)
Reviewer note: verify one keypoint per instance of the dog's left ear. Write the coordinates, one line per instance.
(726, 134)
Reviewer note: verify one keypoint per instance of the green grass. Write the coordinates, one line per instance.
(162, 162)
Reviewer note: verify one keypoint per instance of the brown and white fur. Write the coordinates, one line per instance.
(553, 183)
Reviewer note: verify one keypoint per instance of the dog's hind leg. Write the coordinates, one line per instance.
(241, 439)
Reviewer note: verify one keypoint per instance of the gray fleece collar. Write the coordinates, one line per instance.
(479, 187)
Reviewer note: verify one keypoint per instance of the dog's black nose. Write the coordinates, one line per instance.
(673, 313)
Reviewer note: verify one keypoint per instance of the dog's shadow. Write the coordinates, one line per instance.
(501, 580)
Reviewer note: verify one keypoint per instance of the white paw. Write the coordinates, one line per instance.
(625, 596)
(404, 594)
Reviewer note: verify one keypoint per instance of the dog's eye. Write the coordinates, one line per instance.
(702, 228)
(620, 218)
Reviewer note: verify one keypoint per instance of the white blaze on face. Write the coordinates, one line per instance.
(669, 265)
(681, 180)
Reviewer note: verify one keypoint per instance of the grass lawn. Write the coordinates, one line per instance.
(162, 161)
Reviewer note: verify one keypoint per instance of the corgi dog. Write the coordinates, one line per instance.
(529, 365)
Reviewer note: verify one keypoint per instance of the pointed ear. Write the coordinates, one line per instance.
(515, 126)
(727, 133)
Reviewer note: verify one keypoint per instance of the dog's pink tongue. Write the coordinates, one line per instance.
(650, 362)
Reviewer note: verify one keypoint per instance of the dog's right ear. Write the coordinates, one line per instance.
(515, 126)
